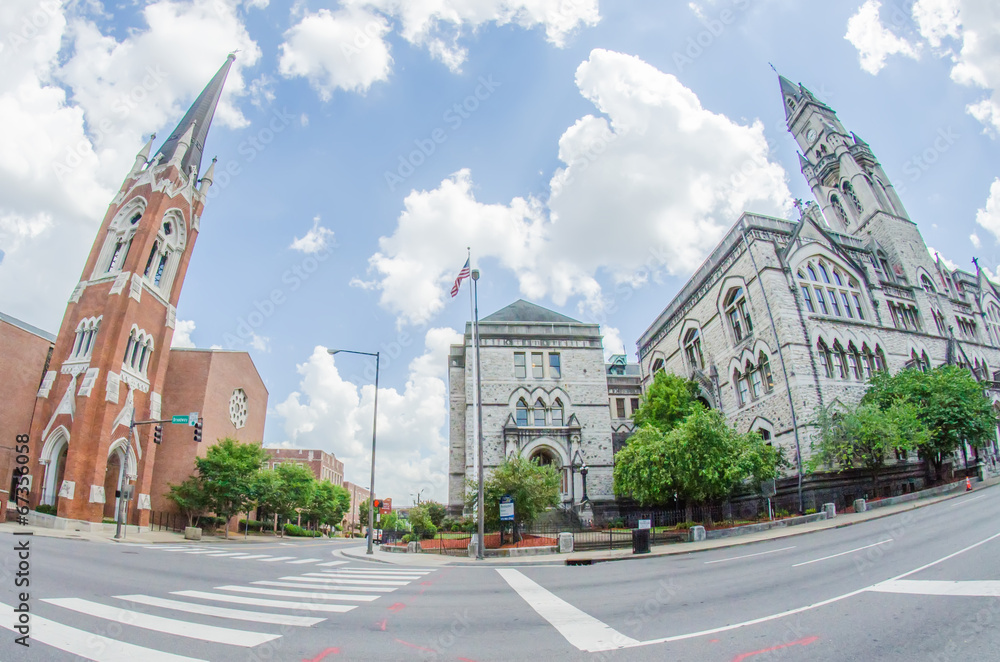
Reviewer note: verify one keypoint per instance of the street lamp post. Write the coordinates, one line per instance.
(371, 490)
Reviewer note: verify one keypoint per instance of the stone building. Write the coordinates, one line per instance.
(544, 397)
(109, 361)
(788, 316)
(624, 397)
(324, 466)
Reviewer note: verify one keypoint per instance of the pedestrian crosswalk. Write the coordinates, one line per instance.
(241, 616)
(210, 552)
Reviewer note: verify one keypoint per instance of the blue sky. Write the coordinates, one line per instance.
(597, 153)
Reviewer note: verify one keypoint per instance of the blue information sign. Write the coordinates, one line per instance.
(506, 508)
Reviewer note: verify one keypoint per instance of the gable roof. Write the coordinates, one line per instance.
(525, 311)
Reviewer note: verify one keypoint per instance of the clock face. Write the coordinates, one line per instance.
(811, 135)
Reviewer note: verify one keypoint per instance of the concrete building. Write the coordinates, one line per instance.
(545, 398)
(324, 466)
(788, 316)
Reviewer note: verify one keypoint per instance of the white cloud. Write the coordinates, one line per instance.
(318, 239)
(182, 334)
(966, 32)
(651, 185)
(612, 342)
(344, 50)
(874, 42)
(439, 25)
(989, 216)
(75, 107)
(936, 255)
(260, 343)
(974, 238)
(329, 412)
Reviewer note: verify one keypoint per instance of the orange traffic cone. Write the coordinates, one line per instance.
(968, 484)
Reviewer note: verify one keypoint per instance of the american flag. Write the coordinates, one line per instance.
(462, 275)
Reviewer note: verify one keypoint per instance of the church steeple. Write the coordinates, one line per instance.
(196, 121)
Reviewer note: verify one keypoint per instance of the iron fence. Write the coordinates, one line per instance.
(161, 521)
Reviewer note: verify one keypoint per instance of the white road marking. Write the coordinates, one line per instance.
(850, 551)
(90, 646)
(381, 571)
(257, 602)
(255, 556)
(304, 561)
(202, 551)
(340, 587)
(334, 563)
(304, 595)
(277, 558)
(746, 556)
(322, 587)
(222, 612)
(580, 629)
(334, 575)
(970, 589)
(187, 629)
(962, 502)
(226, 554)
(368, 582)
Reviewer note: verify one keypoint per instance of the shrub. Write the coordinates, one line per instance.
(298, 531)
(617, 523)
(810, 511)
(683, 526)
(109, 520)
(253, 524)
(45, 509)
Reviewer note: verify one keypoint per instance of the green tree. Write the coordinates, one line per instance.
(864, 437)
(263, 493)
(328, 504)
(534, 488)
(228, 471)
(950, 403)
(190, 498)
(435, 511)
(700, 460)
(421, 521)
(295, 492)
(669, 400)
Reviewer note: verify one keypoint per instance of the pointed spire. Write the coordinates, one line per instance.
(143, 156)
(803, 161)
(196, 122)
(858, 141)
(182, 145)
(789, 90)
(209, 177)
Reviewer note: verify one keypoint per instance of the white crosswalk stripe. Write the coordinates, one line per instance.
(261, 602)
(187, 629)
(328, 563)
(302, 595)
(222, 612)
(303, 561)
(317, 596)
(277, 558)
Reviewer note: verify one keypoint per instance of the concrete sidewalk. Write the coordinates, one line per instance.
(599, 556)
(144, 537)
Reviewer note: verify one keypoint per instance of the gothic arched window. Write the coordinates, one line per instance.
(839, 296)
(838, 209)
(86, 331)
(825, 359)
(852, 196)
(539, 413)
(692, 349)
(657, 366)
(738, 313)
(521, 413)
(764, 365)
(138, 352)
(557, 412)
(164, 256)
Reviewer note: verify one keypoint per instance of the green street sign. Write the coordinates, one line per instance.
(179, 419)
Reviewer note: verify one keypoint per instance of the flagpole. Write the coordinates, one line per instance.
(479, 417)
(475, 362)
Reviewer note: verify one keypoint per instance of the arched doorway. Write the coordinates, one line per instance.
(53, 457)
(546, 457)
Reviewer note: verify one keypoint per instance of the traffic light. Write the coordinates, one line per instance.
(158, 434)
(377, 504)
(197, 430)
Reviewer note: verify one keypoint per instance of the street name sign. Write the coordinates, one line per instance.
(179, 419)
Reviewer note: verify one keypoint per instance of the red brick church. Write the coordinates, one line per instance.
(111, 362)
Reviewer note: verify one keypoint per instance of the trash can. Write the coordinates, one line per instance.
(640, 541)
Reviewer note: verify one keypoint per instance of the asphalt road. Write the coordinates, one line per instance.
(922, 585)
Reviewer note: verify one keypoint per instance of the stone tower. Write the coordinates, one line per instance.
(858, 199)
(110, 356)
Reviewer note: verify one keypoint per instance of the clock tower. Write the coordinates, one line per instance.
(110, 357)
